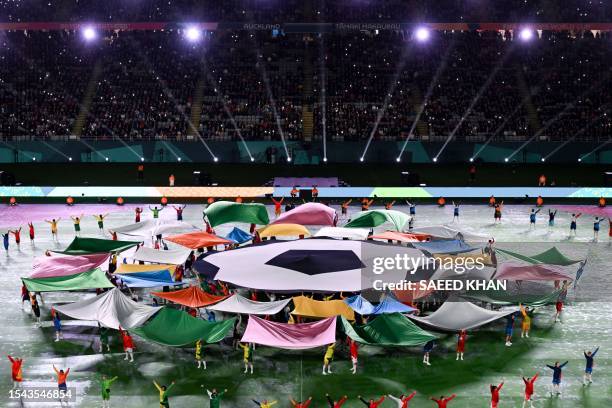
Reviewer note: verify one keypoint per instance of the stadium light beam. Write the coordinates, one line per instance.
(474, 101)
(607, 142)
(387, 100)
(430, 89)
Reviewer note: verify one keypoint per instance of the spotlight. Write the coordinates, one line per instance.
(422, 34)
(193, 34)
(526, 34)
(579, 159)
(33, 158)
(288, 159)
(89, 33)
(216, 159)
(435, 159)
(106, 158)
(361, 159)
(325, 159)
(506, 160)
(543, 159)
(179, 159)
(471, 159)
(142, 159)
(397, 159)
(70, 159)
(252, 159)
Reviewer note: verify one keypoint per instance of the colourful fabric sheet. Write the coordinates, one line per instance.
(290, 336)
(239, 236)
(390, 305)
(153, 227)
(318, 308)
(409, 296)
(444, 247)
(374, 218)
(283, 230)
(401, 236)
(360, 305)
(502, 298)
(54, 266)
(85, 246)
(192, 296)
(455, 316)
(198, 239)
(538, 272)
(388, 330)
(144, 270)
(92, 279)
(222, 212)
(241, 305)
(111, 309)
(176, 328)
(551, 256)
(150, 280)
(173, 256)
(358, 234)
(308, 214)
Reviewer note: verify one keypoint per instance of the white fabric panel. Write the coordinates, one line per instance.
(172, 256)
(358, 234)
(455, 316)
(242, 305)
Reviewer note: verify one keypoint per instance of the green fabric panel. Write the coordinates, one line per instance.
(84, 246)
(92, 279)
(374, 218)
(176, 328)
(554, 257)
(391, 329)
(551, 256)
(222, 212)
(501, 298)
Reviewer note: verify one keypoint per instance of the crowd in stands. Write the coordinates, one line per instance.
(236, 85)
(277, 11)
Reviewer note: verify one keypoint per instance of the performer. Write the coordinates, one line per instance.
(336, 404)
(551, 218)
(77, 224)
(461, 339)
(163, 394)
(529, 389)
(328, 358)
(100, 218)
(215, 397)
(16, 371)
(509, 329)
(31, 228)
(354, 350)
(526, 324)
(247, 356)
(365, 204)
(198, 355)
(17, 234)
(495, 389)
(557, 374)
(389, 205)
(277, 206)
(128, 344)
(156, 211)
(596, 225)
(427, 348)
(304, 404)
(137, 212)
(532, 217)
(588, 371)
(57, 324)
(455, 212)
(179, 212)
(344, 207)
(105, 384)
(443, 402)
(497, 215)
(403, 400)
(372, 403)
(62, 376)
(574, 224)
(53, 224)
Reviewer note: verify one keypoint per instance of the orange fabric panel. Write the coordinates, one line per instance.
(198, 239)
(192, 296)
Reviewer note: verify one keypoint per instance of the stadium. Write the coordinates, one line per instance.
(315, 203)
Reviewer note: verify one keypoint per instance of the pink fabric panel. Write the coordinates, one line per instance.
(50, 266)
(290, 336)
(539, 272)
(308, 214)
